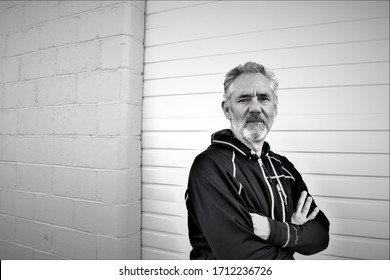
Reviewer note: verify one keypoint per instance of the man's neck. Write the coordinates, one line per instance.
(256, 146)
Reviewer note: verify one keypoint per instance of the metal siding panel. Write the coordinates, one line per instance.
(253, 16)
(299, 36)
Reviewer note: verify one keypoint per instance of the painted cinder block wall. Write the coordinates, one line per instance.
(70, 126)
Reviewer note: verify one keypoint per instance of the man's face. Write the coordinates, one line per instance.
(252, 106)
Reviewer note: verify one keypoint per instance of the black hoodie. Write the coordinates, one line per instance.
(226, 183)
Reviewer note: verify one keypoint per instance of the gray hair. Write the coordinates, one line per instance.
(249, 67)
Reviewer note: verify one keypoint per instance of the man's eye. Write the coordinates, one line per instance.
(243, 100)
(264, 98)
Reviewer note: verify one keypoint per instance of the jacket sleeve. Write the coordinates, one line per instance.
(307, 239)
(221, 214)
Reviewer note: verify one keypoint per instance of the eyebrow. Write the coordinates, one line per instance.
(250, 94)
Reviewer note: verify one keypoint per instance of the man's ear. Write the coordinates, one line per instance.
(226, 109)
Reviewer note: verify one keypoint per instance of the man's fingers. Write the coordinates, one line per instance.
(313, 214)
(301, 201)
(306, 206)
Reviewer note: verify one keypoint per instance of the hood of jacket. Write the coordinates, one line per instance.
(226, 139)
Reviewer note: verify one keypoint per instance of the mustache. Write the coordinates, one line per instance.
(253, 117)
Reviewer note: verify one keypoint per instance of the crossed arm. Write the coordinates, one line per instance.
(301, 215)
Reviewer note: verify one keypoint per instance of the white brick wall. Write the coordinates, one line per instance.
(70, 124)
(17, 203)
(8, 122)
(59, 32)
(7, 175)
(11, 17)
(19, 95)
(9, 70)
(56, 91)
(46, 61)
(35, 121)
(2, 45)
(23, 41)
(84, 57)
(34, 178)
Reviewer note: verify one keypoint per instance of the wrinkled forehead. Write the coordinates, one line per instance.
(251, 83)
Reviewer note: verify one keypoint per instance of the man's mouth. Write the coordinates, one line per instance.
(255, 119)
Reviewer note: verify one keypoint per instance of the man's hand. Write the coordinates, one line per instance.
(261, 226)
(300, 217)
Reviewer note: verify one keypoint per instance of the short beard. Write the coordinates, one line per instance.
(251, 132)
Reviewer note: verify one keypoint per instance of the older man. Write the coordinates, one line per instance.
(243, 200)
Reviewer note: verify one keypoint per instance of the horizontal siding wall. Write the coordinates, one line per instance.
(332, 62)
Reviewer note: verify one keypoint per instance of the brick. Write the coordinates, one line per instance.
(99, 87)
(112, 20)
(122, 51)
(113, 153)
(45, 60)
(129, 218)
(127, 248)
(53, 209)
(75, 182)
(123, 19)
(133, 90)
(107, 219)
(74, 244)
(9, 69)
(96, 152)
(78, 58)
(108, 86)
(119, 186)
(73, 7)
(18, 95)
(34, 178)
(59, 32)
(63, 151)
(1, 95)
(16, 203)
(17, 148)
(140, 4)
(25, 149)
(2, 45)
(11, 19)
(40, 11)
(46, 150)
(11, 251)
(7, 175)
(8, 121)
(23, 41)
(7, 228)
(119, 119)
(56, 91)
(129, 152)
(36, 121)
(90, 25)
(55, 150)
(39, 149)
(33, 234)
(76, 119)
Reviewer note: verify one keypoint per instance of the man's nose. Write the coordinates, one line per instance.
(255, 106)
